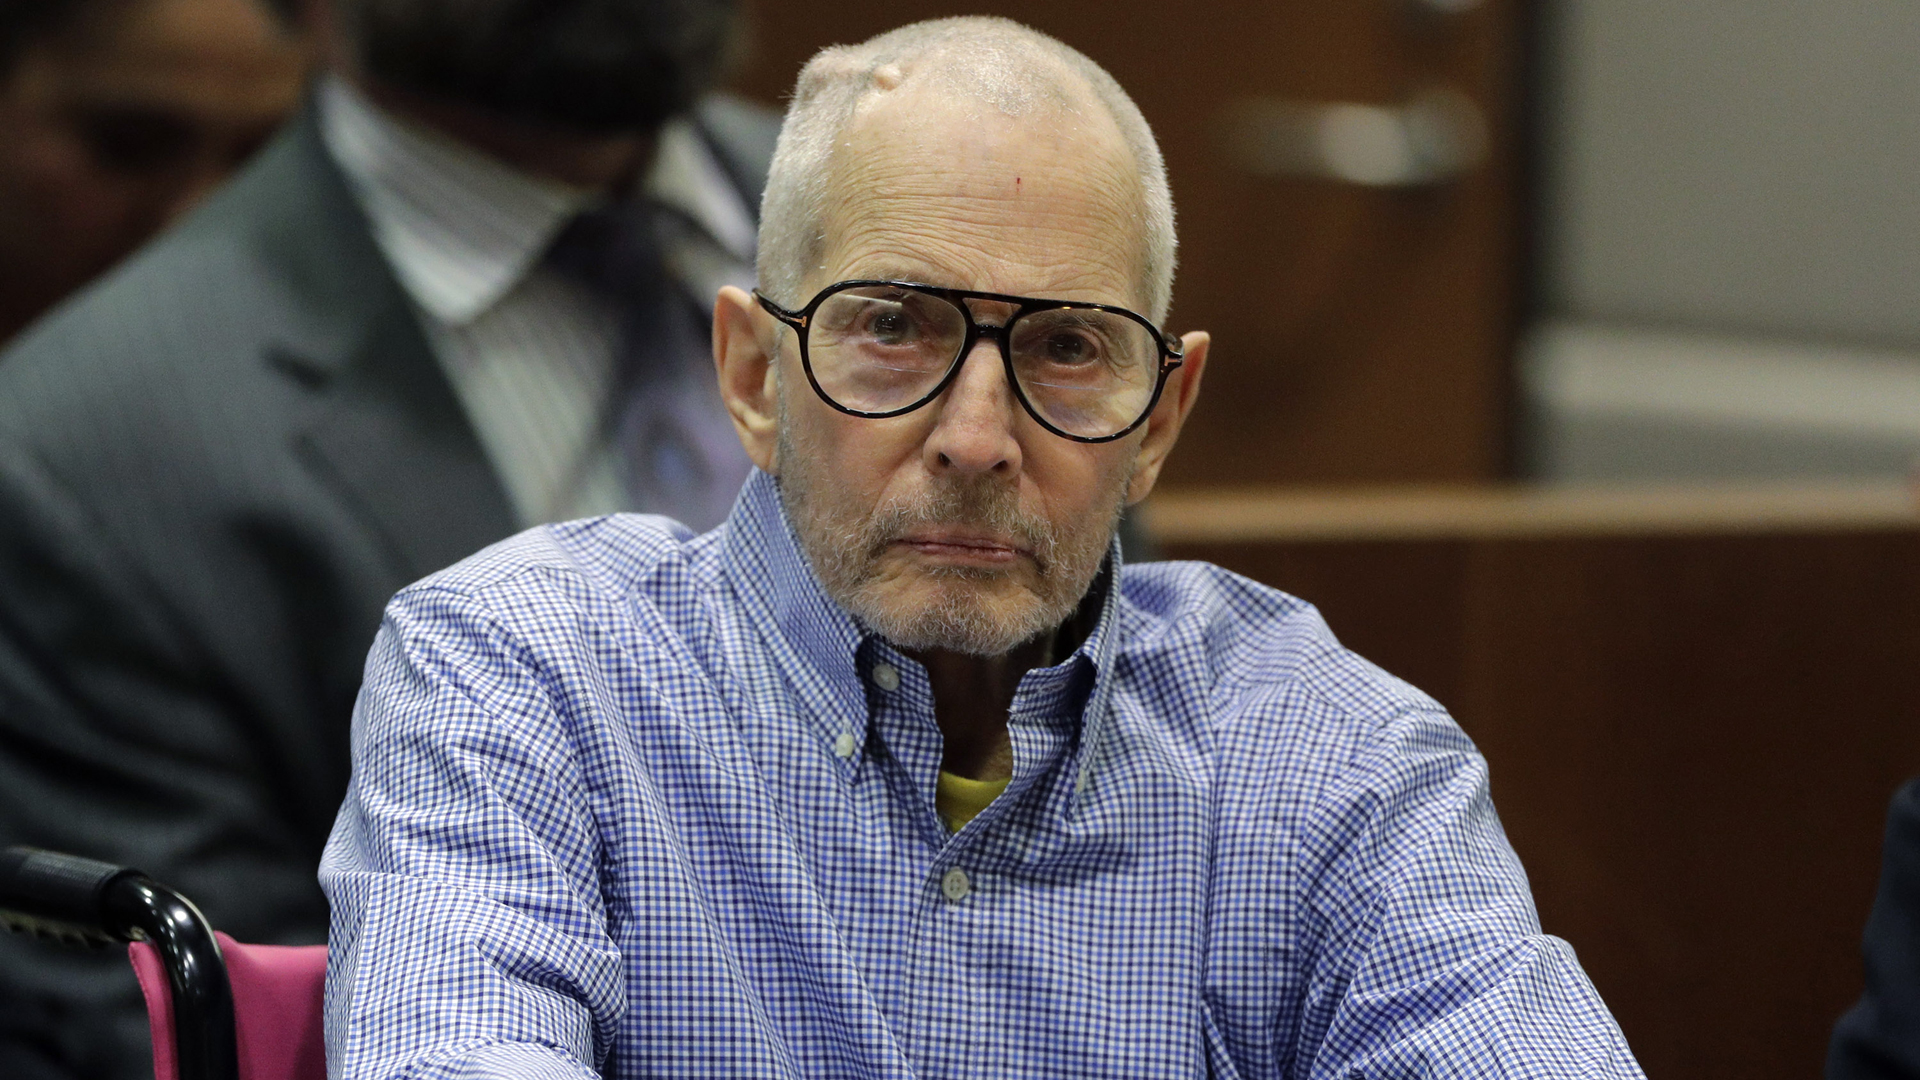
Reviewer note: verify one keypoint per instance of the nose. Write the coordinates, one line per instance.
(973, 429)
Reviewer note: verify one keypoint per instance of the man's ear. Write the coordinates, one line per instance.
(1163, 426)
(744, 357)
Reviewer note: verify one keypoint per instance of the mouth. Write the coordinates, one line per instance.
(962, 547)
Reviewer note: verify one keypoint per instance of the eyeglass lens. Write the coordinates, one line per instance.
(879, 348)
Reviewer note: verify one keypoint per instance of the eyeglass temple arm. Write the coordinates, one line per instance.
(792, 318)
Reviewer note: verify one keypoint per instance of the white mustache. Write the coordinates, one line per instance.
(991, 509)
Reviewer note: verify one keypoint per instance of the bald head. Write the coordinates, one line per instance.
(972, 78)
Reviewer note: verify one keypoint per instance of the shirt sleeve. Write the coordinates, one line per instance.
(469, 936)
(1430, 960)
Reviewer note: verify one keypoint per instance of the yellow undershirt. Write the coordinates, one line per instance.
(960, 800)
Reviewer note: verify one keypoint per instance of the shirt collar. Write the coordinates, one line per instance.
(686, 176)
(813, 638)
(1100, 650)
(461, 229)
(819, 643)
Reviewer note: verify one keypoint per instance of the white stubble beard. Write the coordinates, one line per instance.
(845, 543)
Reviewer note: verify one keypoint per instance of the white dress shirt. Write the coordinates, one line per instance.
(529, 350)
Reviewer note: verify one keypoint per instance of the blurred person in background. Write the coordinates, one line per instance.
(116, 116)
(466, 291)
(1879, 1038)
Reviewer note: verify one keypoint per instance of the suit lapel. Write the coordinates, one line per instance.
(385, 429)
(393, 439)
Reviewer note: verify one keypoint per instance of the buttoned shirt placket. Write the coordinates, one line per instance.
(870, 708)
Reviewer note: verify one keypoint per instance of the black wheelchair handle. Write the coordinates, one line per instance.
(64, 890)
(69, 898)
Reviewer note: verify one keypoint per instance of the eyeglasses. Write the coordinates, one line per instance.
(1086, 372)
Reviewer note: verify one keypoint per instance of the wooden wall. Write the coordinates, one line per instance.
(1695, 706)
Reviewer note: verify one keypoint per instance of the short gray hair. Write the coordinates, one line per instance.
(993, 60)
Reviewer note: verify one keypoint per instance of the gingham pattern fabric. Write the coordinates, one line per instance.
(633, 803)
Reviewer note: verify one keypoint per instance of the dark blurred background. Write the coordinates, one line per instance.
(115, 117)
(1566, 356)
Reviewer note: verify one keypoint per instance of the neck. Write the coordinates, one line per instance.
(972, 697)
(608, 164)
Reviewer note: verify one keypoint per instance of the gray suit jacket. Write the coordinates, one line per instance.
(215, 467)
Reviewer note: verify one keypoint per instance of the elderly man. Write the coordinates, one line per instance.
(899, 772)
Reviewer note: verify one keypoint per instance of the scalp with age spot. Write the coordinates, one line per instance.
(994, 62)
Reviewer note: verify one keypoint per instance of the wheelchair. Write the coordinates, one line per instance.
(218, 1009)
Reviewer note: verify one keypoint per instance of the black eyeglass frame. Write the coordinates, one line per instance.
(1171, 354)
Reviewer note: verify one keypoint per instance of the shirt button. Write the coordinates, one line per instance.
(955, 885)
(886, 677)
(845, 744)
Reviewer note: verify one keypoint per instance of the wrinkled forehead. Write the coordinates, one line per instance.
(925, 175)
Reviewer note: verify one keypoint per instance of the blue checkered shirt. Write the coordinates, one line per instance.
(632, 803)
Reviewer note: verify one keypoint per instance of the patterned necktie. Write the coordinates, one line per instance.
(675, 447)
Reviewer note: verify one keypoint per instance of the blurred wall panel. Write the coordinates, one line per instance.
(1346, 181)
(1738, 168)
(1727, 216)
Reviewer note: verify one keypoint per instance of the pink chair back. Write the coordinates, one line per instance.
(277, 991)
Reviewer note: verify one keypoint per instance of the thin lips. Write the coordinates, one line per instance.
(967, 540)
